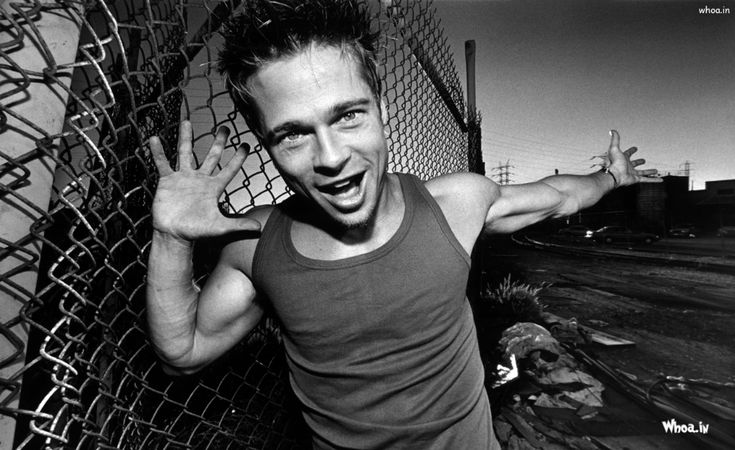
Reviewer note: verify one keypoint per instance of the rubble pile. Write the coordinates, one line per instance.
(555, 403)
(549, 380)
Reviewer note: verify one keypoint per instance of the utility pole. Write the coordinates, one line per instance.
(474, 133)
(469, 54)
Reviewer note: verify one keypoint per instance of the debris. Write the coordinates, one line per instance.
(525, 337)
(564, 330)
(522, 427)
(554, 437)
(506, 374)
(502, 430)
(720, 411)
(628, 375)
(668, 404)
(598, 323)
(555, 372)
(516, 443)
(590, 396)
(541, 361)
(547, 401)
(577, 385)
(606, 339)
(587, 412)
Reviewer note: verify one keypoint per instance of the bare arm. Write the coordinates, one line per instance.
(517, 206)
(189, 328)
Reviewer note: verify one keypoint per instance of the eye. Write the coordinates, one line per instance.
(350, 116)
(291, 139)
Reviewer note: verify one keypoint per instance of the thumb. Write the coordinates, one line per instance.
(238, 225)
(614, 140)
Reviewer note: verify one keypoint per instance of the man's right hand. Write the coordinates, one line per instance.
(185, 205)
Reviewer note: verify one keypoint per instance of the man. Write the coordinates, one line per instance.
(366, 270)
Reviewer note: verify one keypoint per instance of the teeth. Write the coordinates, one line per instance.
(342, 184)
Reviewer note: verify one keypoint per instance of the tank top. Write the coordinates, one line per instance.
(381, 347)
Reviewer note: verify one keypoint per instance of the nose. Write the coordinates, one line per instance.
(332, 154)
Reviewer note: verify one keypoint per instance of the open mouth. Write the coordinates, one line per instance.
(344, 188)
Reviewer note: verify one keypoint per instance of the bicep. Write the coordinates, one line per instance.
(228, 310)
(521, 205)
(228, 297)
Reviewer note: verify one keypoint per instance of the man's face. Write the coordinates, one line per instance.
(323, 129)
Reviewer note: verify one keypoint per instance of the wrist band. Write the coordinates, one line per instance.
(615, 180)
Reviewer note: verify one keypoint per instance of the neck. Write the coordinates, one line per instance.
(320, 239)
(385, 218)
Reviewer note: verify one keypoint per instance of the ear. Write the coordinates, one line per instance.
(384, 118)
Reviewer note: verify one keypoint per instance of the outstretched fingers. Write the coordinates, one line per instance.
(649, 176)
(228, 172)
(215, 152)
(159, 157)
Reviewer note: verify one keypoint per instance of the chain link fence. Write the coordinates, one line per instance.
(83, 85)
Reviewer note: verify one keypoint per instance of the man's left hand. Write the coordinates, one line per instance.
(624, 169)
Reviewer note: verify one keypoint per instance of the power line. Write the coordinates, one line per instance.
(541, 142)
(536, 149)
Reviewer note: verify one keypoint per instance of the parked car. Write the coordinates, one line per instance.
(682, 232)
(612, 234)
(726, 231)
(576, 231)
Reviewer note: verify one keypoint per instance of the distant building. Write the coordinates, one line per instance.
(712, 207)
(656, 207)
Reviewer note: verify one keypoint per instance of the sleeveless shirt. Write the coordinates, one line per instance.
(381, 347)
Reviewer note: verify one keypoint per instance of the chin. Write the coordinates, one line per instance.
(355, 221)
(352, 223)
(355, 225)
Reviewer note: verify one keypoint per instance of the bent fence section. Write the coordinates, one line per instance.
(83, 86)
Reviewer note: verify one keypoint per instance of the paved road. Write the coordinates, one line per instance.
(705, 246)
(664, 284)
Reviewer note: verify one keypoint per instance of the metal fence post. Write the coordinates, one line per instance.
(35, 46)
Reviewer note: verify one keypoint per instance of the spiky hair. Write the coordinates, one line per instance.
(268, 30)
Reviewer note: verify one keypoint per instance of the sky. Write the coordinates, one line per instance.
(552, 77)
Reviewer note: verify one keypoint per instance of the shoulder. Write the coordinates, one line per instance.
(238, 250)
(463, 189)
(260, 213)
(464, 199)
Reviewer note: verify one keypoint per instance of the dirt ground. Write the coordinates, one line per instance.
(681, 320)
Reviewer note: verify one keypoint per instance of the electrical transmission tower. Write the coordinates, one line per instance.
(503, 173)
(688, 173)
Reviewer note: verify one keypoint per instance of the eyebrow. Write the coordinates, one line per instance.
(346, 106)
(334, 110)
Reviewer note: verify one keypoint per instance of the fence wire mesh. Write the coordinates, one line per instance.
(76, 369)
